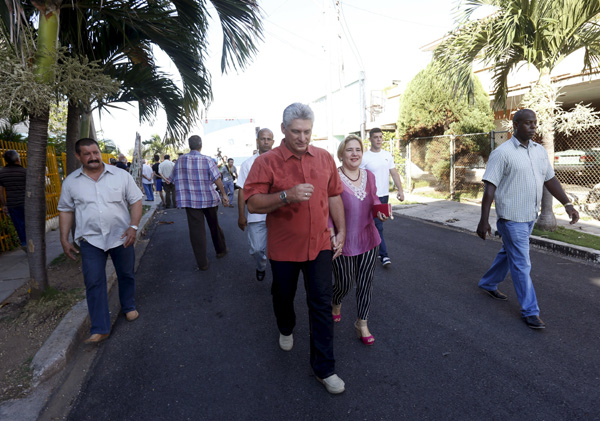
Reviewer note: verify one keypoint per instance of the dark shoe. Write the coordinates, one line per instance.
(496, 294)
(96, 338)
(534, 322)
(204, 268)
(260, 275)
(386, 261)
(220, 255)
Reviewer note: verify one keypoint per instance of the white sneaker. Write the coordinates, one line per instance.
(386, 261)
(286, 342)
(333, 384)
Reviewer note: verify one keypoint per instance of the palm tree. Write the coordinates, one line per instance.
(537, 32)
(124, 47)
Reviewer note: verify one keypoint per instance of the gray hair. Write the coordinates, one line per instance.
(195, 142)
(297, 111)
(122, 158)
(11, 156)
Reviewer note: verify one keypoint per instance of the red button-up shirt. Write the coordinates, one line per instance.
(296, 232)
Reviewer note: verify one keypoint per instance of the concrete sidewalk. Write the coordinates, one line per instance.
(15, 268)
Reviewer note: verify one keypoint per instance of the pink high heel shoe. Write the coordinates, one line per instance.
(336, 317)
(367, 340)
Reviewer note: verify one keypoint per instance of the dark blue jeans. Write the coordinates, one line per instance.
(93, 261)
(382, 247)
(319, 293)
(17, 215)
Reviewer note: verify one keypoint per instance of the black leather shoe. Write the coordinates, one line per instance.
(260, 275)
(534, 322)
(222, 254)
(496, 295)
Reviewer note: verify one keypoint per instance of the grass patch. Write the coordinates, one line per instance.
(570, 236)
(145, 208)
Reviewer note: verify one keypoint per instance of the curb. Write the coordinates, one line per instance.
(55, 353)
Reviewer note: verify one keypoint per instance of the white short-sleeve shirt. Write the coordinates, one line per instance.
(379, 163)
(244, 170)
(101, 207)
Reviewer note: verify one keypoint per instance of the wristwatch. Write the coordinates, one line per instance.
(283, 196)
(135, 227)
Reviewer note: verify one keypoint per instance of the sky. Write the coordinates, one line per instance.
(309, 46)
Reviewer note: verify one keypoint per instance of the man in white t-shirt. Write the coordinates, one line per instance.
(147, 180)
(381, 164)
(165, 169)
(256, 222)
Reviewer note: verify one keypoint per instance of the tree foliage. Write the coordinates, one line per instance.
(430, 108)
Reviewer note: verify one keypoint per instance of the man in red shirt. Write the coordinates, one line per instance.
(298, 187)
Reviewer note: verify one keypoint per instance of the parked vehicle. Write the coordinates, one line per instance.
(578, 162)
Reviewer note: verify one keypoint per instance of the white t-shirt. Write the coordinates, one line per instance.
(379, 163)
(166, 169)
(244, 171)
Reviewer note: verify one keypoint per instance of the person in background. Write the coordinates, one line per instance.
(381, 163)
(122, 162)
(298, 186)
(356, 265)
(165, 169)
(107, 205)
(256, 223)
(229, 174)
(515, 176)
(12, 183)
(147, 180)
(194, 176)
(158, 179)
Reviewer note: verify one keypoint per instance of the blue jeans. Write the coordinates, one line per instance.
(257, 240)
(514, 256)
(229, 190)
(93, 262)
(17, 215)
(149, 192)
(382, 248)
(319, 293)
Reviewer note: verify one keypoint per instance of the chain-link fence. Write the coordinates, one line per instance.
(453, 165)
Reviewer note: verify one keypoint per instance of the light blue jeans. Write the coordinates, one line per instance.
(257, 240)
(514, 256)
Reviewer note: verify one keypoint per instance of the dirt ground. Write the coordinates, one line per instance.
(26, 324)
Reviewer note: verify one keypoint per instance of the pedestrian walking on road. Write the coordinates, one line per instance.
(158, 179)
(356, 265)
(381, 163)
(256, 223)
(297, 185)
(165, 169)
(147, 180)
(12, 193)
(229, 174)
(516, 174)
(107, 205)
(193, 178)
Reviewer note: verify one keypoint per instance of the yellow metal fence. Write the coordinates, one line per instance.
(55, 170)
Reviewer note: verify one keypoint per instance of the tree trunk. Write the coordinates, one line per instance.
(35, 202)
(547, 220)
(73, 123)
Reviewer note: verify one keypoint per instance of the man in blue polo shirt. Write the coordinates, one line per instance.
(516, 174)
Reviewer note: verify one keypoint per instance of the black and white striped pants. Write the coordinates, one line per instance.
(359, 270)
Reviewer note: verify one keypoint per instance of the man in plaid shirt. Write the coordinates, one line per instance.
(194, 177)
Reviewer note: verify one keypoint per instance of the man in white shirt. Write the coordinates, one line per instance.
(381, 164)
(147, 180)
(165, 169)
(107, 205)
(256, 223)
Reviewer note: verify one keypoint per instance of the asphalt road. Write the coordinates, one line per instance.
(205, 346)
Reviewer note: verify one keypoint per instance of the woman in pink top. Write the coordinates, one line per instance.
(357, 261)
